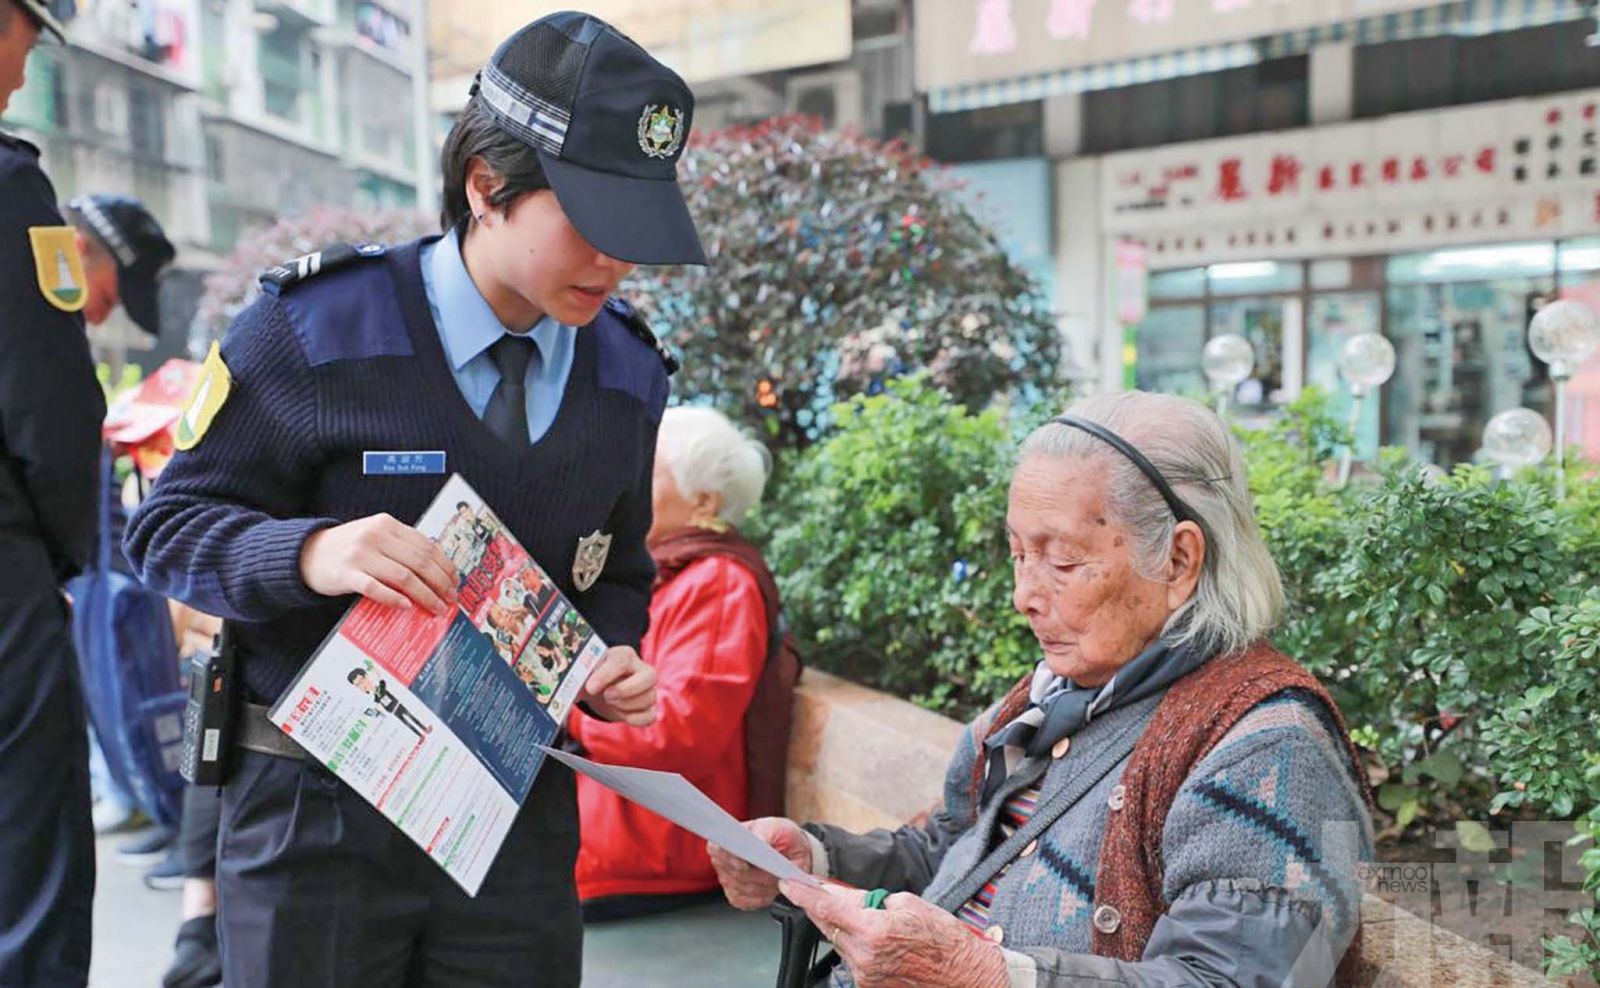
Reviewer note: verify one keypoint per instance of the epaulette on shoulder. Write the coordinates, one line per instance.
(278, 277)
(14, 143)
(641, 329)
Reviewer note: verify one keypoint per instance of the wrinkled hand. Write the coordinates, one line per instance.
(382, 559)
(909, 943)
(622, 687)
(748, 887)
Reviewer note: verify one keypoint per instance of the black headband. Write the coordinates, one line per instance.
(1180, 510)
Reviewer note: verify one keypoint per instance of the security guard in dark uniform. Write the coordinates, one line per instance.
(51, 406)
(496, 352)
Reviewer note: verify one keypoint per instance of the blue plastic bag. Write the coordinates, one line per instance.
(129, 659)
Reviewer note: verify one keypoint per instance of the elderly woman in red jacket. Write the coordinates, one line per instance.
(713, 620)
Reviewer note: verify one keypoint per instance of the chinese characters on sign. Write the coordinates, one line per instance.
(1494, 171)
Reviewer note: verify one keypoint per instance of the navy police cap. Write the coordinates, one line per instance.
(142, 251)
(609, 123)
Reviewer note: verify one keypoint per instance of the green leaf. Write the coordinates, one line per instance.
(1474, 837)
(1445, 767)
(1408, 813)
(1391, 796)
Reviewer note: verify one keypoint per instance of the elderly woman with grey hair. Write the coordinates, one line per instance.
(1166, 800)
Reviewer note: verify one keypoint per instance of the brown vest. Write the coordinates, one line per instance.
(1196, 713)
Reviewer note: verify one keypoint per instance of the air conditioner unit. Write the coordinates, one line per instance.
(834, 96)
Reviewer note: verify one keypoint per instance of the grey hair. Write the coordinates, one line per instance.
(1239, 597)
(709, 454)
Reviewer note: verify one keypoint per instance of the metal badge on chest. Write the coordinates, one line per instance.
(590, 559)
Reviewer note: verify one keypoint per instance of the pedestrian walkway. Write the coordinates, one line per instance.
(709, 947)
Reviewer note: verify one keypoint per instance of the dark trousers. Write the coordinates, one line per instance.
(46, 838)
(197, 830)
(316, 888)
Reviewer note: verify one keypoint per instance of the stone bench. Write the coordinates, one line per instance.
(864, 759)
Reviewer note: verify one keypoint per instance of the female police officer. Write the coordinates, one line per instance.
(559, 177)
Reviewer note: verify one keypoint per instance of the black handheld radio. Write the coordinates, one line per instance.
(210, 716)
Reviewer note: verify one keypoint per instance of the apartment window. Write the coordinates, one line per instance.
(214, 159)
(284, 74)
(147, 124)
(1269, 96)
(994, 133)
(1450, 71)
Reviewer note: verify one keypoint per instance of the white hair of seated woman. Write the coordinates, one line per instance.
(709, 454)
(1239, 597)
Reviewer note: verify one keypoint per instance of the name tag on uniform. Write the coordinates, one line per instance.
(398, 463)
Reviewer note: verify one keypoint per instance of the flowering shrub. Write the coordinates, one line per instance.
(837, 262)
(234, 284)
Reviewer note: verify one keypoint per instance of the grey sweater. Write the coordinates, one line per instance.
(1260, 850)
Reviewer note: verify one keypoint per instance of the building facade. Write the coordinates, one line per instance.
(1296, 172)
(847, 63)
(224, 115)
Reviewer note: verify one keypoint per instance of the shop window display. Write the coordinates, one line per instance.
(1334, 318)
(1169, 342)
(1266, 323)
(1462, 357)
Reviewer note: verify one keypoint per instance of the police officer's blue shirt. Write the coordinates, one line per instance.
(345, 360)
(468, 327)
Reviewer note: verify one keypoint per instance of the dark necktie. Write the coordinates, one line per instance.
(507, 414)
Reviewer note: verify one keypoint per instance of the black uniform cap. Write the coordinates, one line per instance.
(609, 123)
(141, 248)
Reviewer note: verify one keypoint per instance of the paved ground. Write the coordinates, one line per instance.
(708, 947)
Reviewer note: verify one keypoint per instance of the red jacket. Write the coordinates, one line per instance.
(708, 643)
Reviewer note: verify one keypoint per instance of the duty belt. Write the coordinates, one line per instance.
(259, 734)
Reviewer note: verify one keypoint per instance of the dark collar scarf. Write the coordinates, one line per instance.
(1061, 709)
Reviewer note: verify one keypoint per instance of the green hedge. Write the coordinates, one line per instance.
(887, 539)
(1453, 617)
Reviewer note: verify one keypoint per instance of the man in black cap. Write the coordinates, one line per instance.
(340, 402)
(124, 253)
(50, 412)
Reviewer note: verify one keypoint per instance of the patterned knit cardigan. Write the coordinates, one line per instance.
(1196, 713)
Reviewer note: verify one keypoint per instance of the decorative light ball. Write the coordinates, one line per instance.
(1366, 361)
(1228, 361)
(1563, 334)
(1517, 438)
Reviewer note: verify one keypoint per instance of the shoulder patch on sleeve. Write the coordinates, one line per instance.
(59, 267)
(207, 399)
(636, 325)
(281, 276)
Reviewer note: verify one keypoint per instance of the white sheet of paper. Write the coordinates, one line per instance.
(676, 798)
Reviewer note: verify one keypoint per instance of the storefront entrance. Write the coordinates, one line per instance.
(1458, 319)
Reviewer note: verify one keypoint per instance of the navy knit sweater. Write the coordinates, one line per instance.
(350, 361)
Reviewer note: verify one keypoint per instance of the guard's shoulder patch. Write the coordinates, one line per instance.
(281, 276)
(209, 394)
(59, 267)
(636, 325)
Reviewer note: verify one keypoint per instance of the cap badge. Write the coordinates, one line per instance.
(660, 130)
